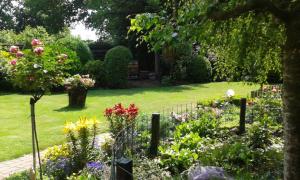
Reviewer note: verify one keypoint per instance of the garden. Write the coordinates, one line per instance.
(169, 89)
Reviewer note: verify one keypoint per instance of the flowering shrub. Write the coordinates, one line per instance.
(62, 161)
(77, 80)
(118, 116)
(31, 70)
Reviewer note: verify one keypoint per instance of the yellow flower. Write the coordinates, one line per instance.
(69, 127)
(82, 124)
(94, 122)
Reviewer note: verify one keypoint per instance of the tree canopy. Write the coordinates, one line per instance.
(264, 32)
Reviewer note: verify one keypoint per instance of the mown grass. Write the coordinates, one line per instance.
(51, 111)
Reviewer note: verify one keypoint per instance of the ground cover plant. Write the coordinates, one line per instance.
(52, 111)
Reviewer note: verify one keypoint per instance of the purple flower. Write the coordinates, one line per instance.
(94, 166)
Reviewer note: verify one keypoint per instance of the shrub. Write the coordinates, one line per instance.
(80, 47)
(199, 70)
(116, 63)
(97, 71)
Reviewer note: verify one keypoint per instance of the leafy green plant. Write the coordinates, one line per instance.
(96, 70)
(116, 64)
(199, 70)
(80, 47)
(205, 126)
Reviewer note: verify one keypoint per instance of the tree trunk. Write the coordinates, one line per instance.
(291, 99)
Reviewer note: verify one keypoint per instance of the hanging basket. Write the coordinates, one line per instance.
(77, 97)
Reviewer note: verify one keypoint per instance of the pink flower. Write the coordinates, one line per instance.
(13, 62)
(19, 54)
(13, 49)
(38, 50)
(36, 42)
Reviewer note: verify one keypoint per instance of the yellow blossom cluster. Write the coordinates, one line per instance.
(55, 152)
(83, 123)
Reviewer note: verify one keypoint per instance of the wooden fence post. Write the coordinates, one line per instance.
(242, 116)
(155, 127)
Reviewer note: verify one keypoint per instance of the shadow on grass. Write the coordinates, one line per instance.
(69, 109)
(132, 91)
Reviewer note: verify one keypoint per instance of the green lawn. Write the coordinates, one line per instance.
(15, 137)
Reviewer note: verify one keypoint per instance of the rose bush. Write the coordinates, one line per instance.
(30, 70)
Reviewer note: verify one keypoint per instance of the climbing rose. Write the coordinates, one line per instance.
(19, 54)
(38, 50)
(13, 62)
(36, 42)
(13, 49)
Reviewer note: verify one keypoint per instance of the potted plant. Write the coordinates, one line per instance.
(77, 87)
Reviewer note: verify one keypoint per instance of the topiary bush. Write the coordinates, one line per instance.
(116, 63)
(199, 70)
(96, 70)
(76, 44)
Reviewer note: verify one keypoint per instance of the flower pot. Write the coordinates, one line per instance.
(77, 97)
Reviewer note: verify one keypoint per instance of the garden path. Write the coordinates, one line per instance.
(24, 163)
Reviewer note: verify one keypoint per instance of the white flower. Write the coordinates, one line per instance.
(230, 93)
(175, 34)
(36, 66)
(45, 71)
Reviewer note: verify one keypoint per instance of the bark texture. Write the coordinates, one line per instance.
(291, 98)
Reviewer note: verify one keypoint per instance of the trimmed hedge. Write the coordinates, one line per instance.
(80, 47)
(199, 70)
(116, 64)
(96, 70)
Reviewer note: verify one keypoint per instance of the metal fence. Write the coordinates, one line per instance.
(142, 137)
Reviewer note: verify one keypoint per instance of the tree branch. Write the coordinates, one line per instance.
(251, 5)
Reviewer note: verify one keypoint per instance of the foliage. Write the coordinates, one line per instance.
(97, 71)
(116, 63)
(205, 126)
(54, 15)
(119, 117)
(150, 169)
(256, 39)
(110, 17)
(77, 81)
(61, 161)
(80, 47)
(33, 70)
(199, 70)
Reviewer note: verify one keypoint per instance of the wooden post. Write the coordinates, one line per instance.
(155, 127)
(32, 110)
(242, 116)
(157, 66)
(124, 169)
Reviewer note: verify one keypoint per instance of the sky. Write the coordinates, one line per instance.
(85, 33)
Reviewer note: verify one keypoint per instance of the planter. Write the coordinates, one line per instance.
(77, 97)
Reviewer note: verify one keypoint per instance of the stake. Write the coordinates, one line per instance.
(32, 102)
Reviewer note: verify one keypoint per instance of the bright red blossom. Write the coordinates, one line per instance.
(108, 112)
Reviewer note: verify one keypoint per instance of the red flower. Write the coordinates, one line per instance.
(119, 109)
(108, 112)
(132, 111)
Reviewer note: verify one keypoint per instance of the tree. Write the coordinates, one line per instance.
(190, 21)
(111, 16)
(6, 14)
(54, 15)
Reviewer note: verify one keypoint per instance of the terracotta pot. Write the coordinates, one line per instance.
(77, 97)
